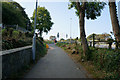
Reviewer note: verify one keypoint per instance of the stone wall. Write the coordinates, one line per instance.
(15, 59)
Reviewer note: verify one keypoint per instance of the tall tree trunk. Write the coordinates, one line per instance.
(82, 29)
(114, 20)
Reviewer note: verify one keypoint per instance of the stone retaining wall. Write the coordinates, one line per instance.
(15, 59)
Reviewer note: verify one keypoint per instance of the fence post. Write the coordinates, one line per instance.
(17, 27)
(90, 43)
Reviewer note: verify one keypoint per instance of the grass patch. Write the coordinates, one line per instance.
(103, 63)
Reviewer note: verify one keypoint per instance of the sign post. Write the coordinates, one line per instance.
(58, 36)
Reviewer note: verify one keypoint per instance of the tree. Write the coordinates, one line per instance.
(110, 41)
(12, 13)
(90, 37)
(52, 37)
(43, 21)
(21, 9)
(62, 39)
(89, 9)
(114, 20)
(100, 37)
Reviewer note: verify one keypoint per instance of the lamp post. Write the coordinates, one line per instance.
(119, 11)
(70, 28)
(34, 37)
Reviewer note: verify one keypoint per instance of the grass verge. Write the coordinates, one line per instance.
(103, 63)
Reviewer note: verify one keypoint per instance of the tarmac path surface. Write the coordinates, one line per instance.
(55, 64)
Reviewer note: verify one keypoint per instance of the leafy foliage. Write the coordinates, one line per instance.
(89, 9)
(52, 37)
(43, 21)
(92, 9)
(103, 36)
(105, 60)
(15, 40)
(110, 41)
(62, 39)
(13, 13)
(40, 48)
(15, 34)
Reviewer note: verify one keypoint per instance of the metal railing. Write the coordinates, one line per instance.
(16, 27)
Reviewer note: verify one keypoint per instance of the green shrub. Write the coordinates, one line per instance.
(4, 33)
(114, 76)
(29, 34)
(13, 43)
(105, 59)
(15, 34)
(40, 49)
(6, 45)
(14, 39)
(23, 36)
(49, 42)
(80, 49)
(20, 34)
(10, 32)
(110, 41)
(61, 44)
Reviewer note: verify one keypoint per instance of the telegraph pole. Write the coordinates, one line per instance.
(34, 37)
(70, 28)
(119, 11)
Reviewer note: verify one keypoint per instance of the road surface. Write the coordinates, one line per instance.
(56, 64)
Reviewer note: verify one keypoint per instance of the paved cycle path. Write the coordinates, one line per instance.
(55, 64)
